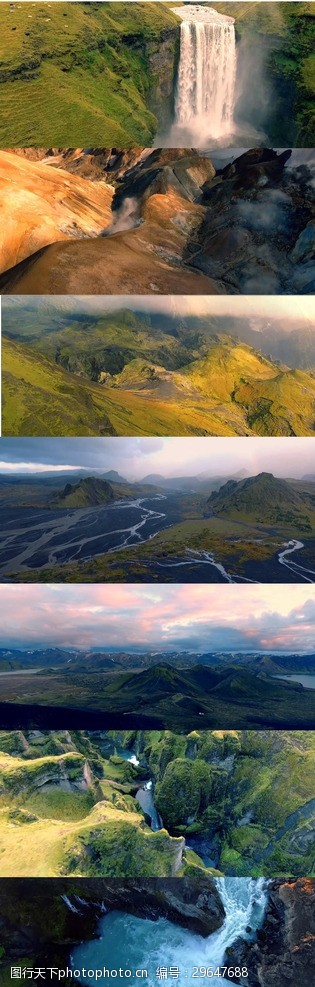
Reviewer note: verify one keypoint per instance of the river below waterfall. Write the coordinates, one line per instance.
(130, 943)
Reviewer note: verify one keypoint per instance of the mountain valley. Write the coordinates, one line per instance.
(136, 373)
(158, 692)
(257, 529)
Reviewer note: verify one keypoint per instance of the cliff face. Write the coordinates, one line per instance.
(37, 922)
(286, 949)
(163, 55)
(275, 42)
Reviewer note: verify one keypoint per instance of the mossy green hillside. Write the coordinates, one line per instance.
(231, 390)
(85, 75)
(254, 789)
(58, 816)
(106, 73)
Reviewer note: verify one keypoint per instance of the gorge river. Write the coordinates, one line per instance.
(145, 793)
(131, 943)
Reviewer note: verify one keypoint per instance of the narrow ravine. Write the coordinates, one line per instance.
(304, 812)
(145, 793)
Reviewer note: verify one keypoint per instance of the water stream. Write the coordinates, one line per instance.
(131, 943)
(294, 546)
(145, 794)
(203, 557)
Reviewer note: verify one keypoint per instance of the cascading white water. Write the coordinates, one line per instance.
(206, 74)
(128, 941)
(244, 901)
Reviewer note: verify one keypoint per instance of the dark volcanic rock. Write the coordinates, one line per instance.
(182, 169)
(35, 918)
(284, 954)
(258, 225)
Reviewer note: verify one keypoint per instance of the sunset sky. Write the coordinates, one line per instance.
(134, 458)
(177, 617)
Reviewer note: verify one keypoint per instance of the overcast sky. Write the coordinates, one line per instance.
(135, 458)
(194, 617)
(291, 311)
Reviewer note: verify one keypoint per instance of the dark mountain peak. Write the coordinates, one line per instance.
(264, 496)
(263, 476)
(89, 491)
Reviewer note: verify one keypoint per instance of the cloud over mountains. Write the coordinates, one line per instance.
(178, 617)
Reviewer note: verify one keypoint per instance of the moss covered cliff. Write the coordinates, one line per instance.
(239, 803)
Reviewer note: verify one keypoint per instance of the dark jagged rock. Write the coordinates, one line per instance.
(176, 226)
(254, 158)
(182, 169)
(285, 948)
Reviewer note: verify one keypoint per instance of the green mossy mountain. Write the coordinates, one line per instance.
(68, 803)
(88, 492)
(263, 498)
(227, 388)
(76, 812)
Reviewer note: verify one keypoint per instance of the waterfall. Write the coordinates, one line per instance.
(206, 74)
(244, 901)
(128, 941)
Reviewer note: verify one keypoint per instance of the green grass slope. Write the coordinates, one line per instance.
(83, 74)
(89, 491)
(231, 390)
(58, 818)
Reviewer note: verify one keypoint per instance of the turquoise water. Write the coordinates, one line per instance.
(130, 943)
